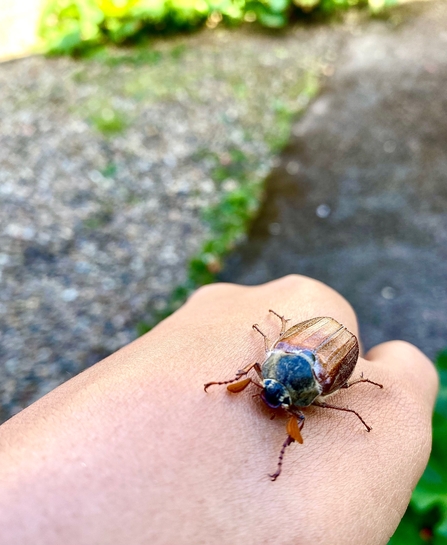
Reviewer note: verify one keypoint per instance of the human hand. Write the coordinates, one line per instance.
(133, 451)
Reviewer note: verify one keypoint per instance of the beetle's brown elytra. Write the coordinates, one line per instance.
(306, 363)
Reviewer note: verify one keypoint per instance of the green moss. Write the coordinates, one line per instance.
(109, 171)
(99, 219)
(285, 109)
(138, 56)
(109, 121)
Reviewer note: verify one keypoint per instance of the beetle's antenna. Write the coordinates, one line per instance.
(286, 443)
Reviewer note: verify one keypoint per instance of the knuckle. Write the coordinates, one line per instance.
(310, 285)
(292, 281)
(296, 283)
(410, 354)
(316, 295)
(210, 290)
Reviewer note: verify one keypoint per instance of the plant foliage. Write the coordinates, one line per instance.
(71, 26)
(426, 518)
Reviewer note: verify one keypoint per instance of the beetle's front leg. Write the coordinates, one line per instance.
(239, 374)
(299, 415)
(294, 426)
(286, 443)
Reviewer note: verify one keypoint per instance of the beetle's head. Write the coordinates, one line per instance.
(275, 394)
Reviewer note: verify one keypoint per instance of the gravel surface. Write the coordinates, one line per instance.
(105, 166)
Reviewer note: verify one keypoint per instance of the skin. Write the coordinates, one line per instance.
(132, 451)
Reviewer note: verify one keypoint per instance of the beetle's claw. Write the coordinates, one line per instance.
(208, 384)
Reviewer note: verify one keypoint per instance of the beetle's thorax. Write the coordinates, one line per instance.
(295, 372)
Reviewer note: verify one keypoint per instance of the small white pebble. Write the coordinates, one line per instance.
(70, 295)
(388, 292)
(4, 259)
(274, 228)
(95, 176)
(389, 146)
(28, 233)
(230, 185)
(11, 366)
(293, 167)
(323, 211)
(17, 231)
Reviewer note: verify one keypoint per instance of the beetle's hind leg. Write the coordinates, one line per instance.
(239, 374)
(283, 322)
(326, 406)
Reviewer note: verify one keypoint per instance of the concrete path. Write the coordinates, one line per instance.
(359, 199)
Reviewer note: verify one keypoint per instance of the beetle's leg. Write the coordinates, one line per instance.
(283, 322)
(298, 414)
(293, 429)
(286, 443)
(267, 341)
(236, 387)
(293, 434)
(326, 406)
(258, 370)
(348, 385)
(239, 374)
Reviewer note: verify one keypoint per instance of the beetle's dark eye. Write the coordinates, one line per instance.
(275, 394)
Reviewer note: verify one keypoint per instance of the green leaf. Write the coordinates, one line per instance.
(271, 20)
(427, 514)
(306, 5)
(278, 6)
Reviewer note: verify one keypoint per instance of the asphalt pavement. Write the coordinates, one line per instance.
(359, 196)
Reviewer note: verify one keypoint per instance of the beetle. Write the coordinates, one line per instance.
(306, 363)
